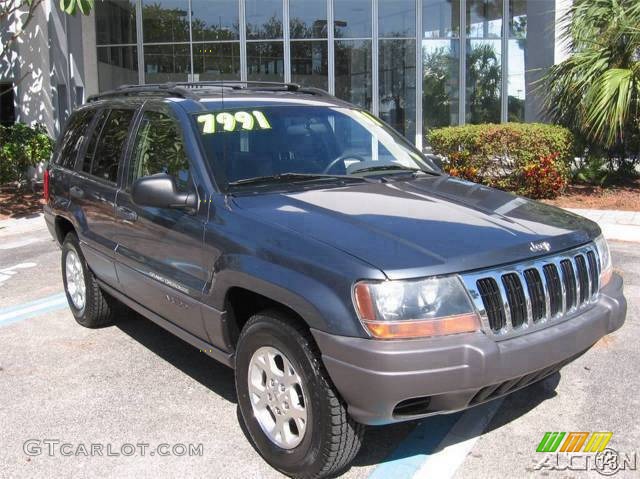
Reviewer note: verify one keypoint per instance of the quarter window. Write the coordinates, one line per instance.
(93, 141)
(159, 148)
(73, 138)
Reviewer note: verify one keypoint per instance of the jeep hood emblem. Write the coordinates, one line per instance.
(537, 247)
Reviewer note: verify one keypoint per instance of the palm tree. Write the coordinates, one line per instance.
(596, 91)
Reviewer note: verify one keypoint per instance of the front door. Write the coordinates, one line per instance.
(159, 255)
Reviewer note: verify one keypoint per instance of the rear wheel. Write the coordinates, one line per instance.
(91, 307)
(294, 416)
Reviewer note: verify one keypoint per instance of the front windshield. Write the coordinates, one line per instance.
(277, 141)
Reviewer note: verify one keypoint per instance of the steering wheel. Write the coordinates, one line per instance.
(342, 158)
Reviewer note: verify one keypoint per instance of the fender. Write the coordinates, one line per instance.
(321, 304)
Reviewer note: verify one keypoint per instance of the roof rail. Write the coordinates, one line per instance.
(166, 89)
(185, 89)
(238, 84)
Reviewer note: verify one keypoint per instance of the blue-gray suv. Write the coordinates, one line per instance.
(301, 241)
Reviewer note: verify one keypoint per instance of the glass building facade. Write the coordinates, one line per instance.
(418, 64)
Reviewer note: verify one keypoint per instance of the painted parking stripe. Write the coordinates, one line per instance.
(36, 302)
(438, 445)
(36, 308)
(408, 457)
(453, 450)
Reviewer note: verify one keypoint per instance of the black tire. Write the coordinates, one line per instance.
(332, 438)
(99, 308)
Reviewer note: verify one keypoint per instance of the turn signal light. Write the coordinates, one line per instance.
(464, 323)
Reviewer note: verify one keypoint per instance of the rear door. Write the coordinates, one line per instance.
(64, 160)
(93, 189)
(159, 256)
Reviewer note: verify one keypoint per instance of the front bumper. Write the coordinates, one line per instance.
(447, 374)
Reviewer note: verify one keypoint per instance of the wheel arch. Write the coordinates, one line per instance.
(63, 227)
(254, 282)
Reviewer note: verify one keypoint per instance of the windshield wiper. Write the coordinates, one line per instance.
(293, 178)
(398, 168)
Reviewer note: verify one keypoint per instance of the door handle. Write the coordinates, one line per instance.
(76, 192)
(126, 214)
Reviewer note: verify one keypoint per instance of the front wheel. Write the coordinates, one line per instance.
(295, 418)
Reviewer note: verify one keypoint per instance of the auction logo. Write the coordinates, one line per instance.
(574, 441)
(583, 451)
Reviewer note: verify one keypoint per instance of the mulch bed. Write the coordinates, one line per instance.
(619, 197)
(15, 203)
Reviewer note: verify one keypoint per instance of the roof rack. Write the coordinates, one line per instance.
(165, 90)
(185, 89)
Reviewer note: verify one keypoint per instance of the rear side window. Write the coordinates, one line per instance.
(73, 138)
(106, 147)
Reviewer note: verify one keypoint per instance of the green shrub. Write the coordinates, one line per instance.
(531, 159)
(21, 147)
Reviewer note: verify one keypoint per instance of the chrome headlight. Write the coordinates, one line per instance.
(417, 308)
(606, 266)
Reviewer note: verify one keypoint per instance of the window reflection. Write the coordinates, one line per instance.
(441, 63)
(309, 63)
(216, 61)
(517, 80)
(440, 18)
(117, 66)
(308, 19)
(484, 76)
(215, 20)
(159, 149)
(484, 18)
(353, 71)
(265, 61)
(483, 66)
(264, 19)
(440, 81)
(215, 30)
(397, 18)
(165, 21)
(115, 22)
(397, 73)
(166, 63)
(352, 18)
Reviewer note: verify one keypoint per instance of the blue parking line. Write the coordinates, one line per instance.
(17, 307)
(407, 458)
(49, 304)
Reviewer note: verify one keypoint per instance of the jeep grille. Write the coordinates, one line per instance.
(523, 297)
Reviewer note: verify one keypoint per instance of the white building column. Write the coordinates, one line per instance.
(561, 47)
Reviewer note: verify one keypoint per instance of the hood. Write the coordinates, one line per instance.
(426, 226)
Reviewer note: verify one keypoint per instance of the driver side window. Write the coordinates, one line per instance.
(159, 149)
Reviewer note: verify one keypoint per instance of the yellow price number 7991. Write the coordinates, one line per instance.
(227, 121)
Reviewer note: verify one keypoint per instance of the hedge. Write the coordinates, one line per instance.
(22, 146)
(531, 159)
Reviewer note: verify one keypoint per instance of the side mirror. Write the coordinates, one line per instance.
(435, 159)
(159, 191)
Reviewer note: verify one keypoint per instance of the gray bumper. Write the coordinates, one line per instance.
(451, 373)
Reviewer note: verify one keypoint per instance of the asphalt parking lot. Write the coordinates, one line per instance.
(135, 384)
